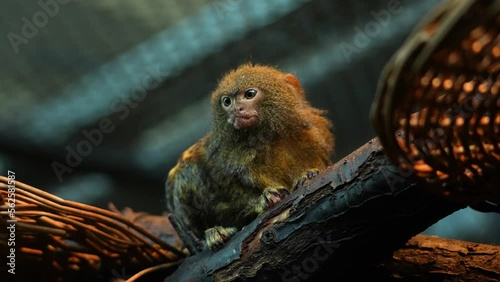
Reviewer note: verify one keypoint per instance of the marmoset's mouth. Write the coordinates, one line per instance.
(244, 120)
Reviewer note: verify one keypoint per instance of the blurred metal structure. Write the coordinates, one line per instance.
(109, 93)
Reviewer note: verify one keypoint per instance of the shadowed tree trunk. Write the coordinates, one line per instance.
(354, 214)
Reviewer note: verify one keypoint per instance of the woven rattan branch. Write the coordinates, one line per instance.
(49, 226)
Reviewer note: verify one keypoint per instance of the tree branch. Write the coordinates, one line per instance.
(335, 219)
(426, 258)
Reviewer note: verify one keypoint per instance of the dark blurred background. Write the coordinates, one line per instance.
(99, 98)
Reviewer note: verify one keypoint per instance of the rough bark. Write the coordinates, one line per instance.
(426, 258)
(352, 215)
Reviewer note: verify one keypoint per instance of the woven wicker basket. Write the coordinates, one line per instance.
(68, 241)
(437, 107)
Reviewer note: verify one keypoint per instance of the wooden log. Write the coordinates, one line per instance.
(354, 214)
(429, 258)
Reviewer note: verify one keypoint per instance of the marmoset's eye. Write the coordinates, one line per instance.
(226, 101)
(250, 93)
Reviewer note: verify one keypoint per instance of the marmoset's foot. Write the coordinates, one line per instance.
(217, 236)
(270, 197)
(306, 175)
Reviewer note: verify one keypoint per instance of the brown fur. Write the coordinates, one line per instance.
(219, 180)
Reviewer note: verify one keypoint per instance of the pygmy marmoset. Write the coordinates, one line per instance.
(265, 135)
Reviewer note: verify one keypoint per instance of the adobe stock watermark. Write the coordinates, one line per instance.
(222, 7)
(94, 137)
(303, 270)
(11, 222)
(364, 36)
(31, 26)
(120, 276)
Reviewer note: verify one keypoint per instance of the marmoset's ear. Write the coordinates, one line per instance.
(293, 83)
